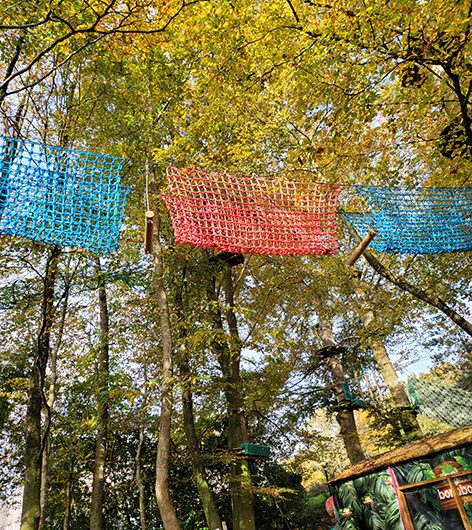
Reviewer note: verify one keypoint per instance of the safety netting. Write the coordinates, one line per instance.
(60, 196)
(450, 405)
(416, 221)
(252, 215)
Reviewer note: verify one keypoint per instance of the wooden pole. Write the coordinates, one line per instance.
(149, 231)
(361, 247)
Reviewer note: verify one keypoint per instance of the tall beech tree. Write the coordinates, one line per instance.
(227, 346)
(200, 475)
(164, 500)
(345, 413)
(51, 394)
(103, 399)
(34, 440)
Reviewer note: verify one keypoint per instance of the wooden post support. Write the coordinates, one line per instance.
(149, 231)
(361, 247)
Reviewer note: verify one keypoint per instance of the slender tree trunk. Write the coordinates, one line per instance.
(376, 343)
(68, 504)
(401, 402)
(47, 444)
(98, 482)
(241, 491)
(344, 416)
(229, 355)
(205, 492)
(50, 401)
(31, 507)
(429, 296)
(199, 476)
(407, 416)
(140, 481)
(139, 469)
(389, 374)
(163, 498)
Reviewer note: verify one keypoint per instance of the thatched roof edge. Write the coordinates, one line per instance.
(426, 446)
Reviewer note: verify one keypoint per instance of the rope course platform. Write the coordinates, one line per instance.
(416, 221)
(252, 215)
(60, 196)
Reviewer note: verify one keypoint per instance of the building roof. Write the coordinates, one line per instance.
(426, 446)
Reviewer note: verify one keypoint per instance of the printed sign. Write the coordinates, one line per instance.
(462, 484)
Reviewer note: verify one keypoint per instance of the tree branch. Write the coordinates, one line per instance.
(431, 299)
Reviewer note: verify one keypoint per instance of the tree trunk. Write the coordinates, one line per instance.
(344, 416)
(397, 389)
(426, 296)
(229, 356)
(389, 374)
(241, 491)
(31, 507)
(50, 401)
(205, 492)
(98, 482)
(199, 476)
(163, 498)
(139, 470)
(68, 506)
(140, 482)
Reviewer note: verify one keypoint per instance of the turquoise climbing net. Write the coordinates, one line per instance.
(417, 221)
(60, 196)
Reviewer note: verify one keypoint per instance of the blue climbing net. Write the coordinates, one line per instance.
(60, 196)
(416, 221)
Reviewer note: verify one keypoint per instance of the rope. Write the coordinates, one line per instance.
(416, 221)
(146, 191)
(252, 215)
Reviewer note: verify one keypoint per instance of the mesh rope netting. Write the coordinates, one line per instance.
(252, 215)
(60, 196)
(450, 405)
(417, 221)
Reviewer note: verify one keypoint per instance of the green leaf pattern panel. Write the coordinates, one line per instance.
(425, 506)
(424, 468)
(368, 503)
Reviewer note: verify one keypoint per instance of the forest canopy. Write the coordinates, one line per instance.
(129, 380)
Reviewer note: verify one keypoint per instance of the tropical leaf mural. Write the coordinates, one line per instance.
(424, 522)
(468, 509)
(370, 502)
(430, 467)
(393, 520)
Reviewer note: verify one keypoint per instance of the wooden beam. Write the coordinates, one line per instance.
(460, 505)
(358, 251)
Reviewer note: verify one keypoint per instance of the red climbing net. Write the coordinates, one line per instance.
(252, 215)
